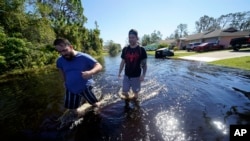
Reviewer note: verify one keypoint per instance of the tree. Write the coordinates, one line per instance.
(145, 40)
(96, 41)
(238, 20)
(155, 36)
(66, 18)
(224, 20)
(176, 34)
(39, 31)
(113, 48)
(171, 36)
(182, 30)
(205, 23)
(12, 17)
(3, 62)
(241, 20)
(15, 52)
(152, 38)
(29, 27)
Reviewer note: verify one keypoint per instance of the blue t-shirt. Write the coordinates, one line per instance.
(73, 69)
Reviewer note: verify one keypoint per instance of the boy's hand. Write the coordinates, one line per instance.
(142, 78)
(86, 74)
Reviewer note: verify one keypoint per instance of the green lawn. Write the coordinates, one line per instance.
(239, 62)
(177, 54)
(151, 52)
(181, 53)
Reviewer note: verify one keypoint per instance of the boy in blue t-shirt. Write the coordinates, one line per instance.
(77, 69)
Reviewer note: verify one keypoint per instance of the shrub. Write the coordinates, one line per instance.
(176, 48)
(113, 48)
(162, 45)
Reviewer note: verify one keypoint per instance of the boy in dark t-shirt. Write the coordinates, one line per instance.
(134, 58)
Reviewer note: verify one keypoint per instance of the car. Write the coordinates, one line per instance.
(237, 43)
(163, 53)
(208, 46)
(191, 46)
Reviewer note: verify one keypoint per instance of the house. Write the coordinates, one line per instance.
(222, 37)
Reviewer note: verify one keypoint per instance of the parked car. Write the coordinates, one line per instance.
(237, 43)
(191, 46)
(208, 47)
(163, 52)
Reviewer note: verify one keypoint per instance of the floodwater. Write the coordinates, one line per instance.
(179, 101)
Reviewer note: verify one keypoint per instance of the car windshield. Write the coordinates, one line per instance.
(203, 44)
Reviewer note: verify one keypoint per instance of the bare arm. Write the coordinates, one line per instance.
(144, 68)
(97, 68)
(121, 67)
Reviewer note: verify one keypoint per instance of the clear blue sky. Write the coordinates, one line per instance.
(116, 17)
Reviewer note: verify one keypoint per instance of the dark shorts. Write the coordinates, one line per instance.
(73, 101)
(132, 82)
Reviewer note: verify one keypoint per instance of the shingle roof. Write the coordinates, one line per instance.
(239, 33)
(217, 33)
(194, 36)
(168, 41)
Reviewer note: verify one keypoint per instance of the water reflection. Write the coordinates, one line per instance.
(169, 126)
(26, 102)
(221, 127)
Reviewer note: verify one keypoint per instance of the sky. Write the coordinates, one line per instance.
(116, 17)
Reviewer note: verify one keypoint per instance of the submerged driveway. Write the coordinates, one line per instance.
(218, 55)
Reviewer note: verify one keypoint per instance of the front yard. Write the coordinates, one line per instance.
(239, 62)
(177, 54)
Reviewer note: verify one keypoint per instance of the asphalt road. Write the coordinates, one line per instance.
(217, 55)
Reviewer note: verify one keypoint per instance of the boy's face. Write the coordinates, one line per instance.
(66, 51)
(132, 39)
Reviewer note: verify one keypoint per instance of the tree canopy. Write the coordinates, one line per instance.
(29, 27)
(238, 20)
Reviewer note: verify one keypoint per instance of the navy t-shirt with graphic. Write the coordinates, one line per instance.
(133, 58)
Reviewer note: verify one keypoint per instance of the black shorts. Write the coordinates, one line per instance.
(73, 101)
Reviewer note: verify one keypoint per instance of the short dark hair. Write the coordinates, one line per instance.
(62, 41)
(133, 31)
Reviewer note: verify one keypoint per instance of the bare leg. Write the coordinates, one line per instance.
(125, 94)
(97, 104)
(135, 99)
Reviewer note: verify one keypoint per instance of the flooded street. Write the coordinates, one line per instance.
(180, 101)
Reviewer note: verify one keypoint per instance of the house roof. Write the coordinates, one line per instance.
(217, 33)
(230, 29)
(167, 41)
(239, 33)
(194, 36)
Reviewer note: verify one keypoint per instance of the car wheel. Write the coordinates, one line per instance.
(235, 48)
